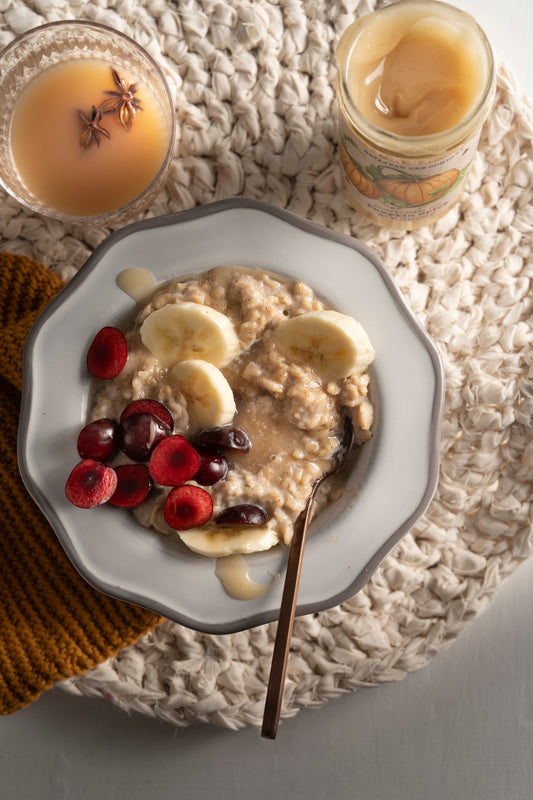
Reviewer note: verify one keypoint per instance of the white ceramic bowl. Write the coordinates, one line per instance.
(388, 491)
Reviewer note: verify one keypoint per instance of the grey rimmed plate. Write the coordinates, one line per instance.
(390, 488)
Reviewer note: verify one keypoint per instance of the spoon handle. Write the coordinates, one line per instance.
(280, 655)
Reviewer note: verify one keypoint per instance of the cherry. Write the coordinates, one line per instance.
(133, 485)
(213, 465)
(90, 484)
(99, 440)
(242, 514)
(188, 507)
(173, 461)
(140, 433)
(148, 406)
(226, 437)
(107, 354)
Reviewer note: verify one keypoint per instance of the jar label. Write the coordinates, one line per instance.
(387, 188)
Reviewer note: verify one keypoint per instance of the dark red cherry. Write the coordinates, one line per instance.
(174, 461)
(188, 507)
(99, 439)
(107, 354)
(242, 514)
(148, 406)
(91, 483)
(226, 437)
(133, 485)
(213, 465)
(140, 433)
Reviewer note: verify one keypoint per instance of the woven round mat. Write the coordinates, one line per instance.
(255, 100)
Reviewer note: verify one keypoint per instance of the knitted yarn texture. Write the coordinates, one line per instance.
(52, 624)
(257, 117)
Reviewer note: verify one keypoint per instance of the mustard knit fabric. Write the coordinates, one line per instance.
(53, 625)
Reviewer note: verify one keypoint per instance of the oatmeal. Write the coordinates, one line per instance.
(240, 361)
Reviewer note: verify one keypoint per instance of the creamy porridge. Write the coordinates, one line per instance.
(288, 399)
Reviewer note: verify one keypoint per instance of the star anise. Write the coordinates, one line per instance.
(91, 128)
(122, 100)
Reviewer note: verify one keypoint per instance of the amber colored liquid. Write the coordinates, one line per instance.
(45, 141)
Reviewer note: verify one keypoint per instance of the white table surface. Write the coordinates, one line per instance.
(461, 728)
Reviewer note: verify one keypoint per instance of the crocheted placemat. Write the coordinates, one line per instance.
(257, 117)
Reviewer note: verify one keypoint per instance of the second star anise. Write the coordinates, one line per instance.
(91, 128)
(122, 100)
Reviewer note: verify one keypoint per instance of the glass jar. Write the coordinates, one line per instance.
(415, 83)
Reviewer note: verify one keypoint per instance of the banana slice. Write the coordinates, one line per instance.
(215, 542)
(180, 331)
(209, 396)
(335, 344)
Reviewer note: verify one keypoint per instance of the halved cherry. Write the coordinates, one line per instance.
(133, 485)
(173, 461)
(91, 483)
(188, 507)
(149, 406)
(107, 354)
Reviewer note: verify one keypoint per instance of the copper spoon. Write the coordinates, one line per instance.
(282, 642)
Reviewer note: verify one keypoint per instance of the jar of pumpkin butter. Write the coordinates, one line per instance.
(415, 83)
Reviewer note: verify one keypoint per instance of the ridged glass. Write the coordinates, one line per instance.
(45, 46)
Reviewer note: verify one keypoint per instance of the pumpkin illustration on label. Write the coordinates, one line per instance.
(418, 191)
(361, 181)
